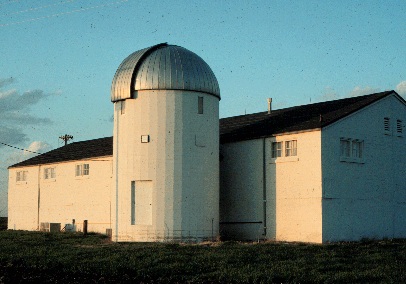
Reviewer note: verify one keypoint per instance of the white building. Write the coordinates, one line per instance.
(315, 173)
(322, 172)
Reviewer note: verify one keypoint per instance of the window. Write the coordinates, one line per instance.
(82, 170)
(122, 107)
(144, 138)
(276, 149)
(291, 148)
(284, 151)
(200, 105)
(22, 176)
(386, 125)
(351, 150)
(345, 147)
(357, 149)
(399, 127)
(49, 173)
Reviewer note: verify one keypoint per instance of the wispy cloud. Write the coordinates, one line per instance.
(12, 101)
(5, 82)
(14, 112)
(330, 94)
(36, 146)
(25, 119)
(12, 135)
(401, 89)
(358, 91)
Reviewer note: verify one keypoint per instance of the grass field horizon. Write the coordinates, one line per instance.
(75, 258)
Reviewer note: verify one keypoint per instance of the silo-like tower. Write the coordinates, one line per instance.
(166, 147)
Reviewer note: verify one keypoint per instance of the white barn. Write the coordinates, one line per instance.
(172, 170)
(322, 172)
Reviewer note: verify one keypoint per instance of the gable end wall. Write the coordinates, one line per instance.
(365, 199)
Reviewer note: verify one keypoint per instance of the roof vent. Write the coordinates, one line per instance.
(269, 105)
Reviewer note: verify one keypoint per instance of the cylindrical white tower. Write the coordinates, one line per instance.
(166, 147)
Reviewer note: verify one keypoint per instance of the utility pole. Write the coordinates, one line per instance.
(66, 138)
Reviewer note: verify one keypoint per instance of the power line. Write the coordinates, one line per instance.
(32, 9)
(9, 2)
(20, 148)
(84, 9)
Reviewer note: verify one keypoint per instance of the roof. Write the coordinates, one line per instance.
(293, 119)
(163, 67)
(232, 129)
(73, 151)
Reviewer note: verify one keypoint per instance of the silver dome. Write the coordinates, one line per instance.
(163, 67)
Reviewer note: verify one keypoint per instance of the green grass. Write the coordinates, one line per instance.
(74, 258)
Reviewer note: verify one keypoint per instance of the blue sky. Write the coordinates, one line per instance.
(58, 58)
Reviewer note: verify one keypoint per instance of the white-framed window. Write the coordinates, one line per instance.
(351, 150)
(291, 148)
(357, 149)
(200, 105)
(49, 173)
(21, 176)
(82, 170)
(283, 151)
(345, 147)
(276, 149)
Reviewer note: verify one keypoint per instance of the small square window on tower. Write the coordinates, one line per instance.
(200, 105)
(144, 138)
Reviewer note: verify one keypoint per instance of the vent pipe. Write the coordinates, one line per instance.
(269, 105)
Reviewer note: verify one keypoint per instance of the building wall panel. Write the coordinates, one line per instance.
(63, 198)
(241, 190)
(360, 198)
(293, 189)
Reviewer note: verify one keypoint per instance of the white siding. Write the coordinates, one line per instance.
(293, 189)
(365, 199)
(241, 190)
(63, 198)
(184, 176)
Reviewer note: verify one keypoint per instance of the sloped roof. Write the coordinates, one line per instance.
(232, 129)
(74, 151)
(299, 118)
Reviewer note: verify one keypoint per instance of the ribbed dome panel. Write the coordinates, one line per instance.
(163, 67)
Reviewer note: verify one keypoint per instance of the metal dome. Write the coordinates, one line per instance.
(163, 67)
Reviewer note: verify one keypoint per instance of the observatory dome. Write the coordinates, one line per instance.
(163, 67)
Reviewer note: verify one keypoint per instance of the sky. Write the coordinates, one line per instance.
(58, 58)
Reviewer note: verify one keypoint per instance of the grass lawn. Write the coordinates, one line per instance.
(74, 258)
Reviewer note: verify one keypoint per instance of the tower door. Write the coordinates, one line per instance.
(141, 202)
